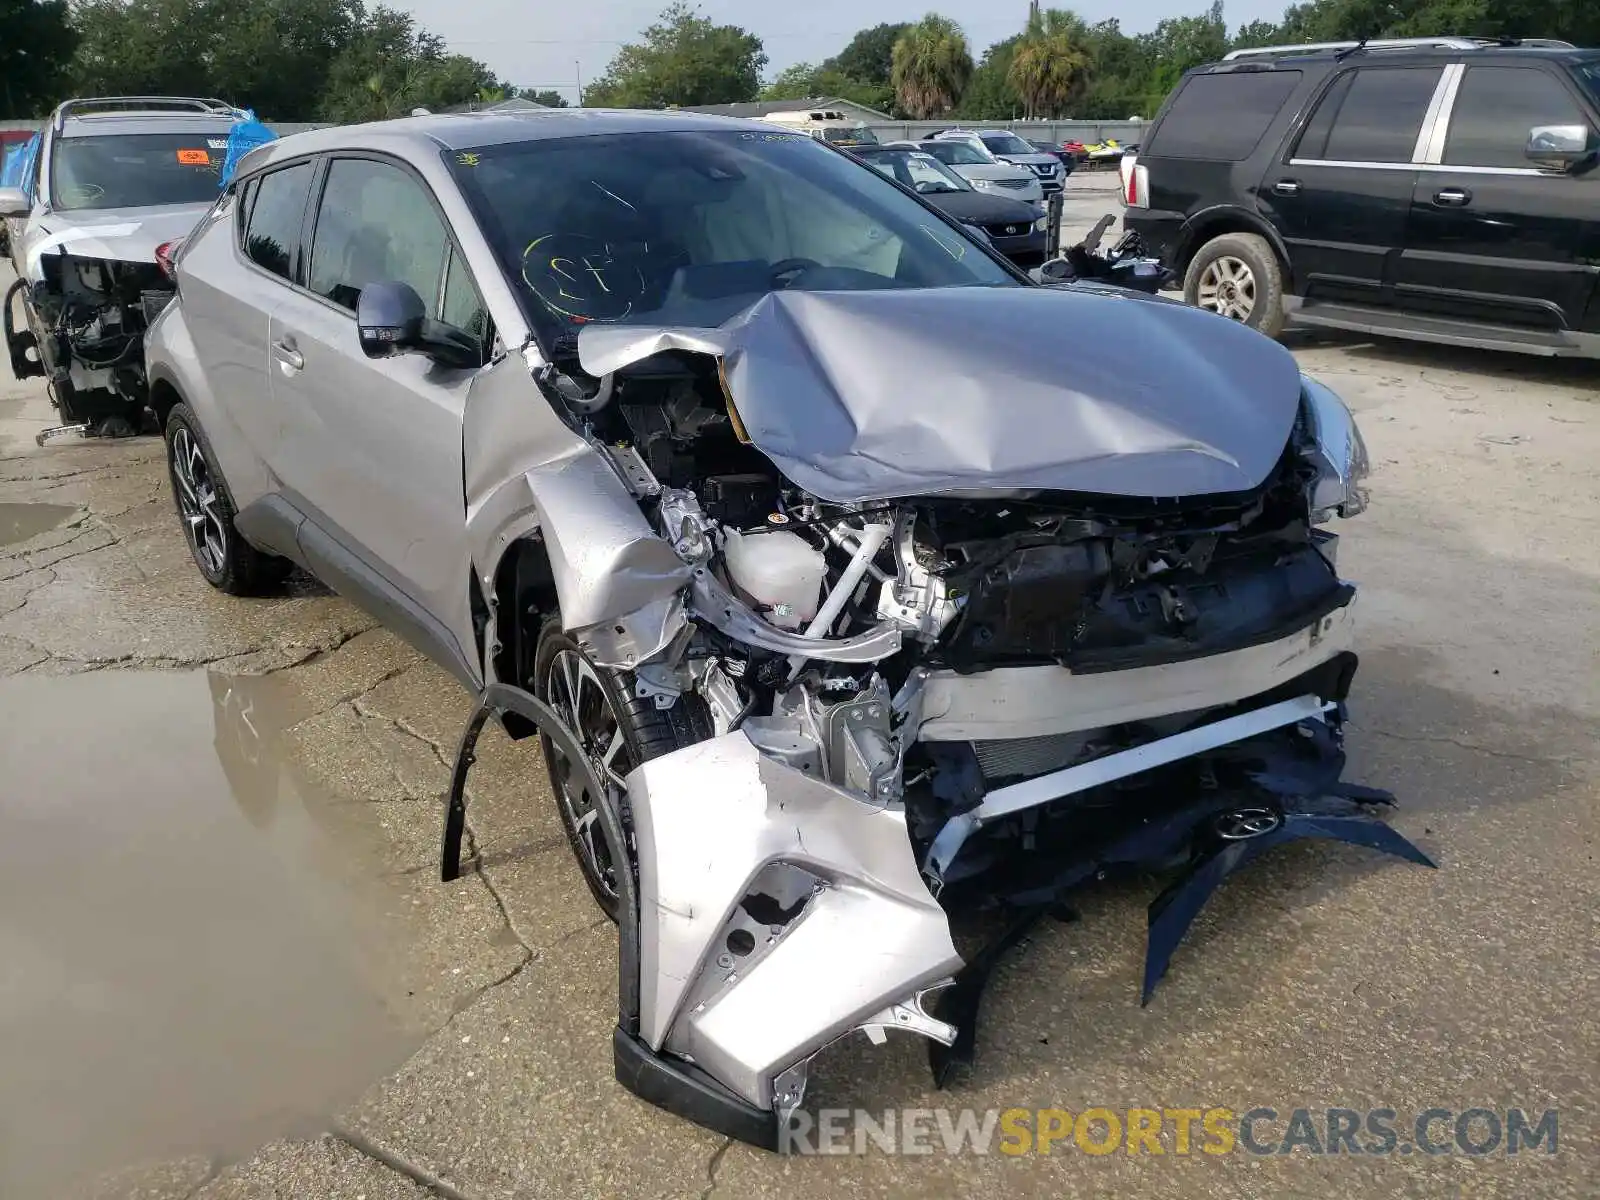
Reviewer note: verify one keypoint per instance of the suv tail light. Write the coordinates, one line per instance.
(164, 256)
(1135, 182)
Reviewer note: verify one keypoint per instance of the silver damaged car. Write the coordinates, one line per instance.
(854, 606)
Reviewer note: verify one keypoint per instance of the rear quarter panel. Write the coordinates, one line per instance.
(210, 345)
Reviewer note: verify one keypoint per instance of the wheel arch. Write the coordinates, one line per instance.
(1212, 223)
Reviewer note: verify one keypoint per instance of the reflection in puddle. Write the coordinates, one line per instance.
(186, 969)
(19, 522)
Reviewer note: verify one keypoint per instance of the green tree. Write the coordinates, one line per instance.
(548, 97)
(989, 95)
(683, 59)
(931, 66)
(275, 55)
(806, 82)
(389, 67)
(1051, 65)
(36, 44)
(793, 83)
(869, 57)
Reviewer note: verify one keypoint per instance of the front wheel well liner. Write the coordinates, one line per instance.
(164, 397)
(524, 595)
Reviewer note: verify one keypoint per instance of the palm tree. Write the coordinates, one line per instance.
(930, 66)
(1050, 65)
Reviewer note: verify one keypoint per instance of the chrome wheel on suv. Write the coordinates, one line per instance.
(573, 688)
(197, 504)
(1238, 276)
(617, 729)
(205, 509)
(1228, 288)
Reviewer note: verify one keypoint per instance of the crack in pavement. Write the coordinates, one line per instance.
(1440, 739)
(422, 1177)
(713, 1166)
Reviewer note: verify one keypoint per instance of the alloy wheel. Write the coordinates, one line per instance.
(199, 503)
(573, 689)
(1228, 288)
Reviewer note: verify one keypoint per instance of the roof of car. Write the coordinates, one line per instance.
(1392, 55)
(109, 124)
(468, 131)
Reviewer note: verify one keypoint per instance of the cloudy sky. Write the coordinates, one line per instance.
(548, 44)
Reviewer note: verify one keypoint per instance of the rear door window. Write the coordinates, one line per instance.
(1372, 115)
(275, 207)
(1497, 107)
(1222, 117)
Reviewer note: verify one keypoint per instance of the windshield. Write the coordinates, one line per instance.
(858, 136)
(918, 171)
(135, 171)
(1588, 74)
(692, 228)
(957, 154)
(1006, 143)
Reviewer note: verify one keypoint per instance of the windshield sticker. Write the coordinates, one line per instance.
(195, 158)
(217, 143)
(468, 159)
(773, 137)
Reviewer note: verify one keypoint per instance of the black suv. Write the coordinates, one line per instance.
(1441, 189)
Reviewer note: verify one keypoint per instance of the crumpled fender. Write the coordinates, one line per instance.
(527, 471)
(708, 819)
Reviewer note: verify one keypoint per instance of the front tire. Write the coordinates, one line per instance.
(205, 509)
(618, 730)
(1238, 276)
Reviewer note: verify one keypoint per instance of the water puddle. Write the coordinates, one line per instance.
(185, 963)
(19, 522)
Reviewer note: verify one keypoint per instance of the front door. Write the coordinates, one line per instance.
(1342, 198)
(1491, 236)
(374, 451)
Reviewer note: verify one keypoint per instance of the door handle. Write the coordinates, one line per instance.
(285, 353)
(1453, 198)
(1286, 187)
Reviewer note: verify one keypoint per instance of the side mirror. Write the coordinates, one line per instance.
(392, 319)
(389, 319)
(14, 203)
(1558, 147)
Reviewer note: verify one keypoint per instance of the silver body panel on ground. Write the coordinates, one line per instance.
(708, 819)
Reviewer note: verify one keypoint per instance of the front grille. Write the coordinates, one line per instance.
(1016, 183)
(1029, 756)
(1044, 169)
(1015, 230)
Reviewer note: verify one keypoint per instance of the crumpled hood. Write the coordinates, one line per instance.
(863, 396)
(115, 234)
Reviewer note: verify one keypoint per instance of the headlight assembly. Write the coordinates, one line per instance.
(1339, 454)
(1042, 224)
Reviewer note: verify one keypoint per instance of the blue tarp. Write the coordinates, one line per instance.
(18, 163)
(247, 133)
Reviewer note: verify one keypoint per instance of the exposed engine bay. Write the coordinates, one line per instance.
(90, 316)
(928, 645)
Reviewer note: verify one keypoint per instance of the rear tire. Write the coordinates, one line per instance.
(206, 511)
(619, 729)
(1238, 276)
